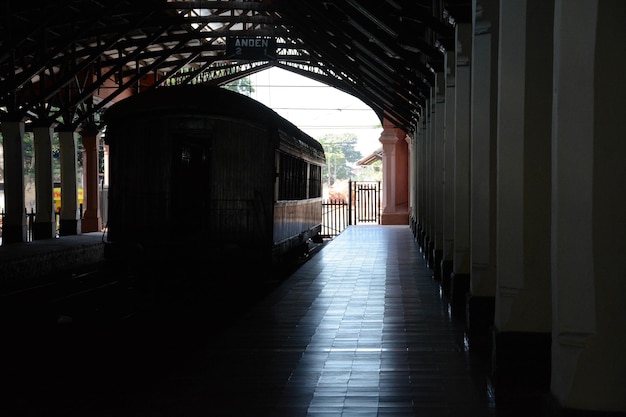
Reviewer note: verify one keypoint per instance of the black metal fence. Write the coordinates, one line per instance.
(366, 196)
(362, 206)
(30, 222)
(335, 217)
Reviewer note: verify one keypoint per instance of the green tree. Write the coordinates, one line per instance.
(29, 155)
(372, 172)
(241, 85)
(341, 156)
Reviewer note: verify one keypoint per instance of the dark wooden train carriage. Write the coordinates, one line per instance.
(199, 173)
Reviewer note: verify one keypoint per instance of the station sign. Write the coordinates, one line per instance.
(251, 48)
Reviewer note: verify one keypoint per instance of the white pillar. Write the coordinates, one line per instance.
(422, 173)
(588, 200)
(459, 283)
(480, 306)
(45, 222)
(448, 176)
(428, 178)
(69, 221)
(523, 201)
(510, 200)
(438, 167)
(413, 181)
(482, 169)
(521, 343)
(14, 228)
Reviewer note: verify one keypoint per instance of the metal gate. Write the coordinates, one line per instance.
(362, 207)
(366, 201)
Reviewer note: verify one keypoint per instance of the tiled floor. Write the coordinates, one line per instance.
(361, 329)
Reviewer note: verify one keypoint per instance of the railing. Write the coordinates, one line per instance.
(363, 206)
(367, 196)
(335, 217)
(336, 214)
(30, 222)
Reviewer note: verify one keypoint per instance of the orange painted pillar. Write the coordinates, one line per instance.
(395, 175)
(91, 221)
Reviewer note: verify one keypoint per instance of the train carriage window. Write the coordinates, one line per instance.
(315, 181)
(292, 178)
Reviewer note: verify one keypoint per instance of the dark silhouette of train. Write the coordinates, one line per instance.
(208, 182)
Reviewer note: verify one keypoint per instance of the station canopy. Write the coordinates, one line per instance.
(63, 62)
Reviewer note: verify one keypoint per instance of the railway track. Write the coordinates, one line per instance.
(91, 337)
(95, 295)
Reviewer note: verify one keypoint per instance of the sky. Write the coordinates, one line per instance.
(317, 108)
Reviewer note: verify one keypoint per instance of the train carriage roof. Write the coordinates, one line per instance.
(211, 101)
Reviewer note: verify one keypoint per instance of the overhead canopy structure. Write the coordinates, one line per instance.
(65, 61)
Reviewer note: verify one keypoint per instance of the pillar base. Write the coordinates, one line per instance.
(437, 255)
(446, 273)
(44, 230)
(91, 224)
(521, 365)
(414, 227)
(552, 407)
(445, 269)
(420, 236)
(69, 227)
(459, 288)
(394, 218)
(479, 321)
(430, 254)
(14, 234)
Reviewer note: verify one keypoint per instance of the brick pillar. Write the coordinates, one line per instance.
(91, 221)
(395, 175)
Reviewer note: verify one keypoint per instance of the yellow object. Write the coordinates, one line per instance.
(57, 197)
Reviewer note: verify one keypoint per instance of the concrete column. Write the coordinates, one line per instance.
(421, 172)
(106, 165)
(417, 179)
(439, 123)
(448, 175)
(413, 183)
(104, 205)
(588, 199)
(510, 202)
(14, 228)
(45, 221)
(425, 196)
(429, 226)
(69, 218)
(521, 339)
(91, 221)
(459, 280)
(481, 298)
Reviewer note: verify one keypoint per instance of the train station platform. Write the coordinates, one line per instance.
(24, 264)
(360, 329)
